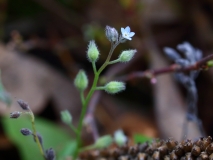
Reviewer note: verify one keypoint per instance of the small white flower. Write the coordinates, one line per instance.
(120, 138)
(126, 33)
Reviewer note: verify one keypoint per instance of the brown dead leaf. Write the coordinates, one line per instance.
(27, 78)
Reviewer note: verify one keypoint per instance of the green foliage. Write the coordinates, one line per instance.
(139, 138)
(104, 142)
(52, 135)
(67, 150)
(101, 143)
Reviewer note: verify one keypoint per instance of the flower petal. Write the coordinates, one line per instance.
(128, 38)
(122, 30)
(127, 29)
(131, 34)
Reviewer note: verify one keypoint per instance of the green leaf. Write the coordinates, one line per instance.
(68, 150)
(103, 142)
(138, 138)
(52, 135)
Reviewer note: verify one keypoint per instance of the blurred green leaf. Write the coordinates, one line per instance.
(101, 142)
(139, 138)
(68, 150)
(52, 135)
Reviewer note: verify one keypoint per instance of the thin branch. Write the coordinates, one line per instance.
(173, 68)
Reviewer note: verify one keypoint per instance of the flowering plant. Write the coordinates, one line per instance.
(113, 87)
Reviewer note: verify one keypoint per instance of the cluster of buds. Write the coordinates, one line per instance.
(25, 107)
(113, 87)
(49, 154)
(81, 80)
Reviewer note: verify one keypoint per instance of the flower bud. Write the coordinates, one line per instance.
(81, 81)
(66, 117)
(39, 138)
(111, 34)
(23, 104)
(103, 142)
(120, 138)
(26, 132)
(126, 56)
(114, 87)
(15, 114)
(50, 154)
(210, 63)
(92, 52)
(171, 53)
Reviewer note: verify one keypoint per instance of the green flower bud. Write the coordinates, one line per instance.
(66, 117)
(103, 142)
(92, 52)
(119, 138)
(210, 63)
(81, 81)
(114, 87)
(126, 56)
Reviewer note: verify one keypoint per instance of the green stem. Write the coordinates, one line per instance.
(82, 97)
(94, 67)
(100, 88)
(74, 129)
(88, 97)
(113, 46)
(35, 134)
(83, 112)
(87, 148)
(114, 61)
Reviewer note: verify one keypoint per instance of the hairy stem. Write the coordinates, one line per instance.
(89, 95)
(35, 134)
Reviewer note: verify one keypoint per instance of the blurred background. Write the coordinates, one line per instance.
(43, 46)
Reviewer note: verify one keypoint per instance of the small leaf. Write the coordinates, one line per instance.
(103, 142)
(138, 138)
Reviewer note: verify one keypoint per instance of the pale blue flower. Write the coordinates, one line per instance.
(126, 33)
